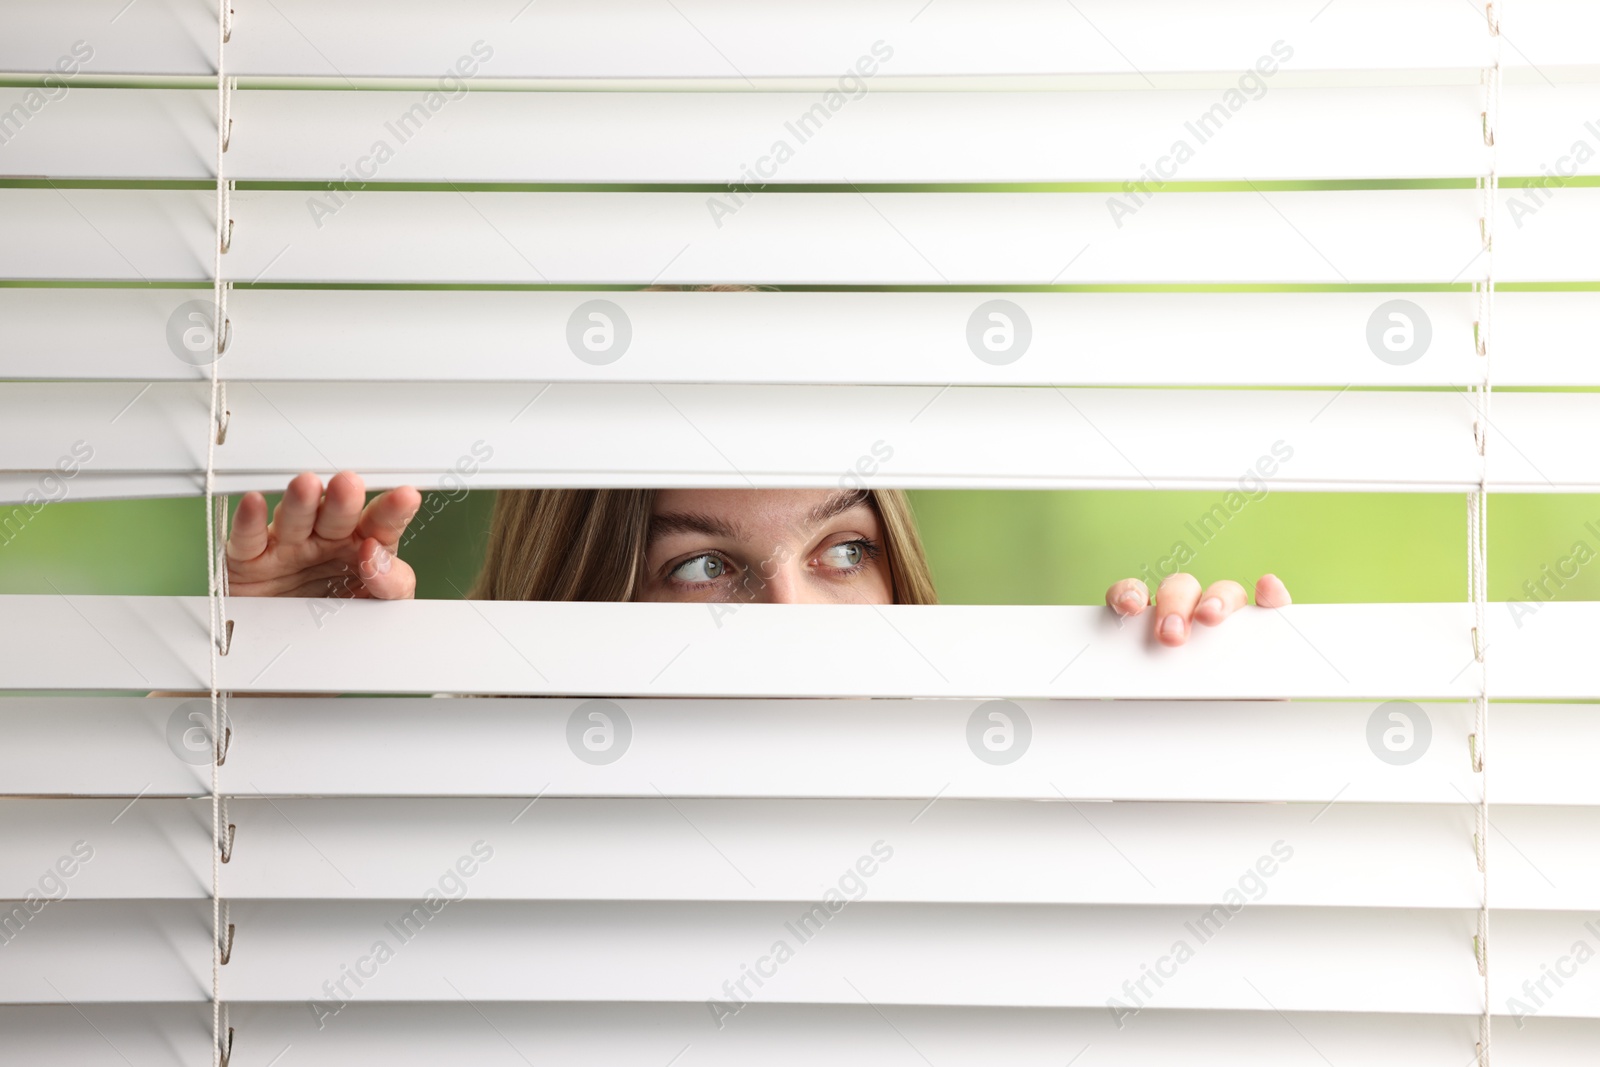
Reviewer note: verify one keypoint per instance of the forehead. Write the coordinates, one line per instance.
(762, 512)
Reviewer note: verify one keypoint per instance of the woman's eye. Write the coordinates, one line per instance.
(844, 556)
(699, 569)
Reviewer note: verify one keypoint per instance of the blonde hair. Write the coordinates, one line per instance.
(589, 544)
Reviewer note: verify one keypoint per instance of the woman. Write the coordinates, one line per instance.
(779, 546)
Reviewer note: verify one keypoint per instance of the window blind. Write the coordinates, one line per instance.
(1010, 245)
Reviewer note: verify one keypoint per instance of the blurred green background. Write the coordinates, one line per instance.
(986, 547)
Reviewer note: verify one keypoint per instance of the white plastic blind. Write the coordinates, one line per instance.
(1197, 230)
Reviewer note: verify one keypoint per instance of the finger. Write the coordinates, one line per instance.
(1175, 602)
(386, 517)
(247, 538)
(1128, 597)
(341, 506)
(1220, 600)
(297, 511)
(285, 584)
(346, 588)
(385, 575)
(1271, 592)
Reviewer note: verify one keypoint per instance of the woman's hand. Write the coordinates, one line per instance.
(1180, 604)
(323, 544)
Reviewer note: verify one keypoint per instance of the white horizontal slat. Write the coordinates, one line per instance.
(594, 435)
(729, 42)
(885, 137)
(778, 238)
(1012, 955)
(854, 1033)
(143, 849)
(1410, 961)
(116, 134)
(119, 747)
(803, 337)
(107, 951)
(1547, 130)
(948, 851)
(955, 851)
(1532, 945)
(1318, 651)
(1232, 338)
(834, 238)
(743, 436)
(413, 1035)
(924, 137)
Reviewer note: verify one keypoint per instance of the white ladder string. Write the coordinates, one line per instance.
(216, 517)
(1478, 510)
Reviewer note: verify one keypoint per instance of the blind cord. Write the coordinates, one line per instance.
(216, 513)
(1478, 511)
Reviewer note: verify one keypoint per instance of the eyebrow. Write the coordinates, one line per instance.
(698, 522)
(691, 522)
(836, 505)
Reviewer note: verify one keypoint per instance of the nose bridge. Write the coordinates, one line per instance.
(779, 581)
(779, 578)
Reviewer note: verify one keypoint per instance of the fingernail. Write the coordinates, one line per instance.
(1128, 603)
(381, 561)
(1172, 626)
(1212, 606)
